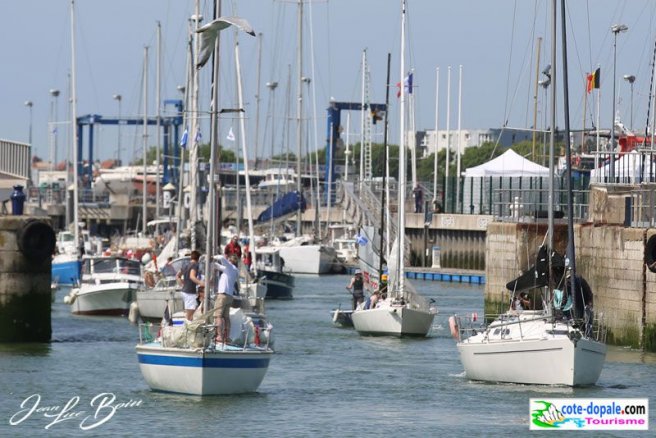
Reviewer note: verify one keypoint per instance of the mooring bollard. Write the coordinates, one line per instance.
(26, 247)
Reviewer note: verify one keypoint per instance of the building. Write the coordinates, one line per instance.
(427, 140)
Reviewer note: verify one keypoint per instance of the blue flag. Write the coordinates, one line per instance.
(198, 137)
(183, 140)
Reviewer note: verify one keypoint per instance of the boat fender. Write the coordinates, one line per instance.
(133, 315)
(474, 317)
(453, 326)
(70, 298)
(36, 240)
(650, 253)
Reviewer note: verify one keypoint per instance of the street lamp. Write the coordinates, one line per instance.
(615, 28)
(29, 104)
(53, 127)
(630, 79)
(118, 98)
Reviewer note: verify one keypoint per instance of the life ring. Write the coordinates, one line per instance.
(36, 240)
(453, 326)
(650, 253)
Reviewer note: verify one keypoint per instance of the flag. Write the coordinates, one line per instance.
(593, 80)
(199, 136)
(210, 32)
(185, 136)
(361, 240)
(231, 135)
(407, 83)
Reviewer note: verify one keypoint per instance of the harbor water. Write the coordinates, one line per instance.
(323, 380)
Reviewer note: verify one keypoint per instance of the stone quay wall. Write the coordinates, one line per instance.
(610, 257)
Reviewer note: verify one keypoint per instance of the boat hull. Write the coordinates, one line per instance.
(210, 372)
(308, 259)
(279, 285)
(342, 318)
(152, 303)
(392, 321)
(104, 299)
(551, 361)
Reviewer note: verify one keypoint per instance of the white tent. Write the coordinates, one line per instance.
(510, 163)
(495, 186)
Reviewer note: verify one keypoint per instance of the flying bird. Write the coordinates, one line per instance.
(210, 32)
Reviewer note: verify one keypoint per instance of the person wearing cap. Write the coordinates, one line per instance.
(356, 286)
(229, 267)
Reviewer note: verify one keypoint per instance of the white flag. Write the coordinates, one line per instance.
(231, 135)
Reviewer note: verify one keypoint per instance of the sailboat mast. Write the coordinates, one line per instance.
(194, 137)
(299, 112)
(381, 252)
(552, 132)
(76, 178)
(402, 159)
(158, 104)
(568, 156)
(214, 129)
(242, 132)
(145, 141)
(257, 97)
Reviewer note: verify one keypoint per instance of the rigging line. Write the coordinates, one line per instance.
(582, 72)
(529, 88)
(510, 57)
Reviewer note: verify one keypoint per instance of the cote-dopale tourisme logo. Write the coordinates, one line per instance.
(589, 414)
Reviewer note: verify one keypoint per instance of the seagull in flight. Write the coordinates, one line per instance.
(210, 32)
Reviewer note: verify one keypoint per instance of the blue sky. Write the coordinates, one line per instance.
(494, 41)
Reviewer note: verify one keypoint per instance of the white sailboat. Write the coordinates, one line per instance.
(403, 312)
(187, 360)
(559, 344)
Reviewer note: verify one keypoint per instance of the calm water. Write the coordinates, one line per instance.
(323, 381)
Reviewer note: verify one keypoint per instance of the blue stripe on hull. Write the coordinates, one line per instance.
(207, 362)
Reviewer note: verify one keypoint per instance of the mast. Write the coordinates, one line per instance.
(571, 254)
(437, 114)
(459, 152)
(76, 182)
(194, 134)
(299, 112)
(257, 97)
(242, 129)
(145, 141)
(402, 159)
(448, 138)
(535, 98)
(214, 129)
(552, 131)
(158, 105)
(381, 251)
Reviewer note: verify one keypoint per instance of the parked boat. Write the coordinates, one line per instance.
(301, 255)
(269, 265)
(342, 318)
(560, 343)
(66, 269)
(108, 286)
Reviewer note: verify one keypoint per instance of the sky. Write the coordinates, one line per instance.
(494, 41)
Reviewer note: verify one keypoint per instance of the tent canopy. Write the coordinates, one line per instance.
(509, 163)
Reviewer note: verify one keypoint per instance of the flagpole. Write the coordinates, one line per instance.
(437, 113)
(448, 138)
(598, 139)
(459, 140)
(585, 109)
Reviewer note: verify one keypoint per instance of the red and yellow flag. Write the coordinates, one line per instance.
(593, 80)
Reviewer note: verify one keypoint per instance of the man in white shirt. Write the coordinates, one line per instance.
(229, 275)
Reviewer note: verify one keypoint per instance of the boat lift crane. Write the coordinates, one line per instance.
(170, 170)
(377, 110)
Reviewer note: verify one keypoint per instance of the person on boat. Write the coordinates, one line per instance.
(524, 301)
(356, 286)
(419, 198)
(168, 270)
(188, 276)
(248, 258)
(229, 268)
(233, 247)
(200, 301)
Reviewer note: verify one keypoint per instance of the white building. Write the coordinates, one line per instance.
(427, 141)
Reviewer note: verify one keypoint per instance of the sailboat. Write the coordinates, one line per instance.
(186, 359)
(403, 312)
(559, 344)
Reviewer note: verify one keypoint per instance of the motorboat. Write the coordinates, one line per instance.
(269, 266)
(108, 286)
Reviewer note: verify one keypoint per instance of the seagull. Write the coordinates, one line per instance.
(210, 31)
